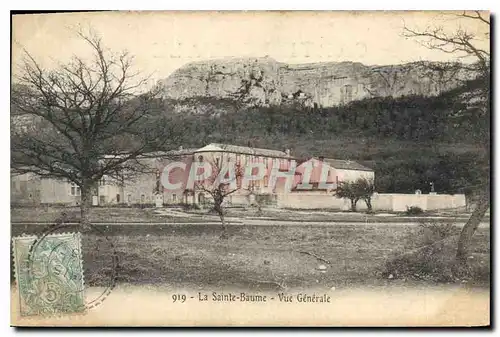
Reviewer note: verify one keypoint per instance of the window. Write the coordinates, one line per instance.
(129, 198)
(200, 159)
(143, 198)
(102, 200)
(266, 180)
(75, 190)
(102, 182)
(174, 197)
(217, 160)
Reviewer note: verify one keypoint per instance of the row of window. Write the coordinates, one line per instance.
(255, 159)
(75, 190)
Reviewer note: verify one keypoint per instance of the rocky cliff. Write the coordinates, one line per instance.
(264, 81)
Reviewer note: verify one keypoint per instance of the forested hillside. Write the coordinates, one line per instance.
(409, 141)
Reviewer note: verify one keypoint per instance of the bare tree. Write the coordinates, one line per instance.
(461, 42)
(219, 185)
(475, 102)
(93, 119)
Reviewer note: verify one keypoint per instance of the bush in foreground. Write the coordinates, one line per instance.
(414, 210)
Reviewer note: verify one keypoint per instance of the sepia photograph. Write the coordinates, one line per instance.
(250, 169)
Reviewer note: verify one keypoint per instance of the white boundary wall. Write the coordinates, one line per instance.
(394, 202)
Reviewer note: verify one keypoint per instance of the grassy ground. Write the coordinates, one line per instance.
(178, 215)
(254, 257)
(320, 215)
(97, 214)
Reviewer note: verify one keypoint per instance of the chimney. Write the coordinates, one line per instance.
(180, 148)
(287, 151)
(321, 158)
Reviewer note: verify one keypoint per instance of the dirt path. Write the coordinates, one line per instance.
(252, 222)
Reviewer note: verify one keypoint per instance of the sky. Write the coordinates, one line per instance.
(161, 42)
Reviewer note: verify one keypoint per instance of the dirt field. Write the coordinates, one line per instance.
(254, 257)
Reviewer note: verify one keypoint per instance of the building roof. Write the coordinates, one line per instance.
(346, 164)
(171, 153)
(217, 147)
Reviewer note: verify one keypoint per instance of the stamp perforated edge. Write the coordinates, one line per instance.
(37, 238)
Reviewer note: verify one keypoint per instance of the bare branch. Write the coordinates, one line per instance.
(88, 120)
(478, 16)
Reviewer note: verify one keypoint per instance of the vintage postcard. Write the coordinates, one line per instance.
(274, 168)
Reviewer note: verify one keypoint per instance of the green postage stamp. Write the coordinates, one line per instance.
(49, 274)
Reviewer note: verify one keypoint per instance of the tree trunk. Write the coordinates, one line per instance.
(85, 204)
(220, 211)
(471, 226)
(224, 234)
(353, 205)
(368, 202)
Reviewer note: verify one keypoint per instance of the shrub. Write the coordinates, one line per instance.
(414, 210)
(120, 205)
(264, 199)
(149, 205)
(430, 232)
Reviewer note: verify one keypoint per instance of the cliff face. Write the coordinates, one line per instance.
(264, 81)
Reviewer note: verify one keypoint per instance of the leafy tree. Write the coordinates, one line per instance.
(348, 190)
(361, 189)
(365, 188)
